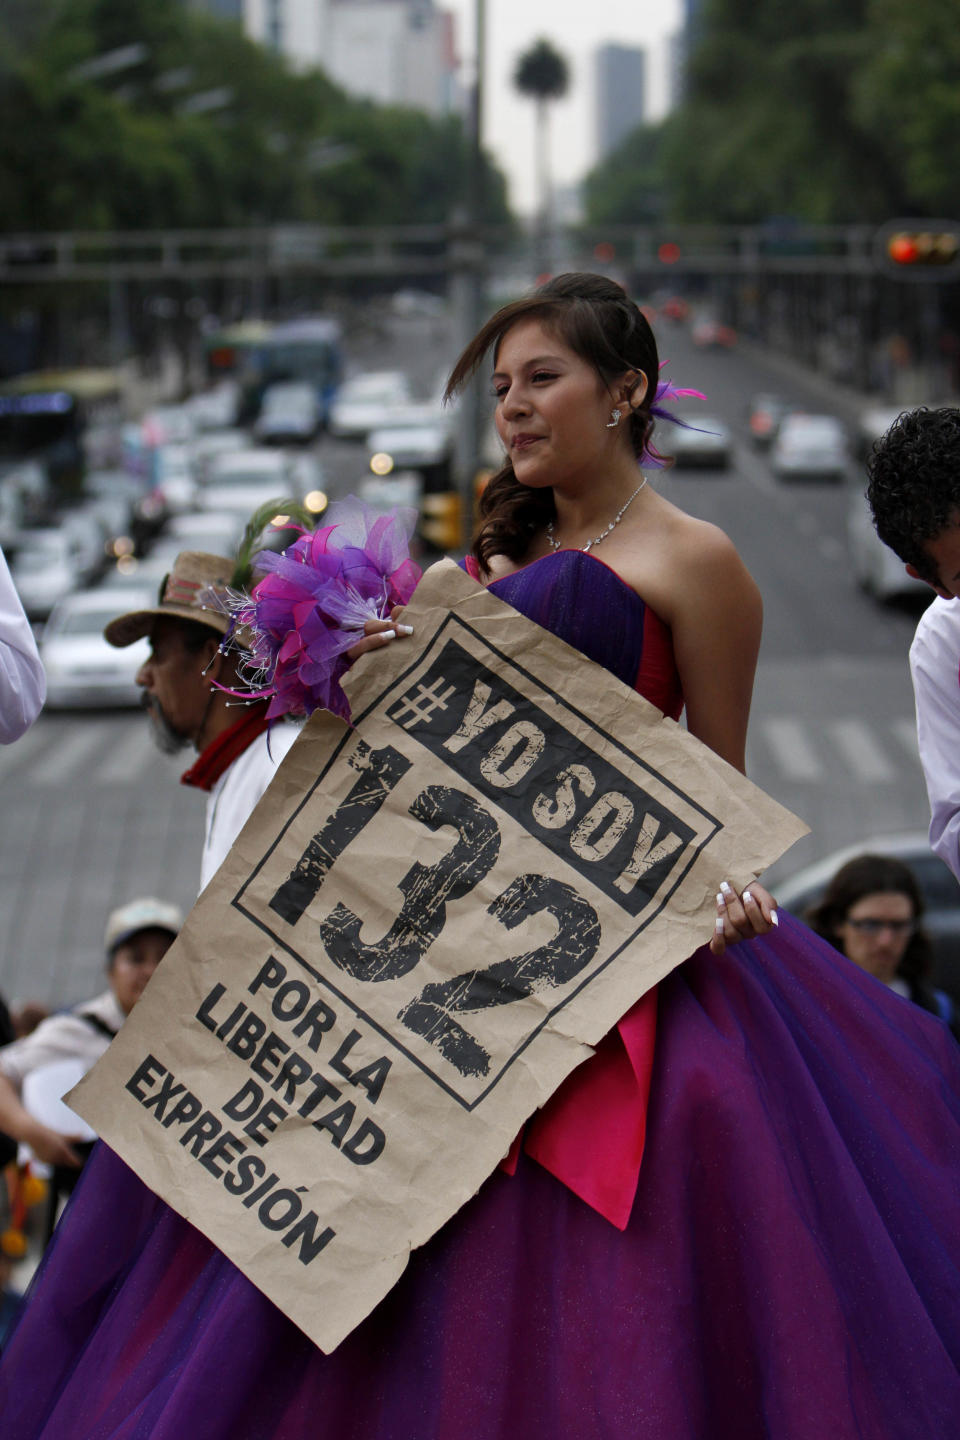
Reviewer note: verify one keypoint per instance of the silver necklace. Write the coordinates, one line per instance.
(555, 544)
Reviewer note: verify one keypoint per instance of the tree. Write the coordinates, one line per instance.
(542, 74)
(626, 188)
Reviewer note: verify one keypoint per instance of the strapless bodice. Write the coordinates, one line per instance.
(580, 599)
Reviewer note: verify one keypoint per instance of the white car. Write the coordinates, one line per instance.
(876, 568)
(704, 441)
(367, 402)
(239, 483)
(46, 566)
(289, 412)
(214, 531)
(205, 449)
(173, 475)
(810, 447)
(81, 668)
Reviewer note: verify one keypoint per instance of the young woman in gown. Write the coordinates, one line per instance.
(739, 1220)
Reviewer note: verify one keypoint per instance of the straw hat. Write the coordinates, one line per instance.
(184, 594)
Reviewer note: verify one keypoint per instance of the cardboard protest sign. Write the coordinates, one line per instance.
(425, 925)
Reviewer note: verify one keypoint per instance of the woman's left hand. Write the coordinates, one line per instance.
(741, 917)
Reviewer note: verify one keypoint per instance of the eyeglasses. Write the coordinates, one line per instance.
(869, 926)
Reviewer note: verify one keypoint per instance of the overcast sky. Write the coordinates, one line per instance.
(576, 28)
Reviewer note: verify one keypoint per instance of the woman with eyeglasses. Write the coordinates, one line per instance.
(872, 911)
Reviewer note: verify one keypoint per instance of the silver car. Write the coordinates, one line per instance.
(82, 669)
(810, 447)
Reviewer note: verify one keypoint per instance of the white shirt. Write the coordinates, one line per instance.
(66, 1036)
(235, 794)
(23, 685)
(935, 668)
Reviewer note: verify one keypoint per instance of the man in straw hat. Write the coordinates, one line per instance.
(182, 692)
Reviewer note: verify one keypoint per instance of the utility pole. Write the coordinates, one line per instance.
(468, 268)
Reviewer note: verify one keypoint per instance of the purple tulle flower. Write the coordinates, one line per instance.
(311, 604)
(666, 391)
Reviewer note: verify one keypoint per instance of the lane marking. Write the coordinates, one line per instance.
(793, 753)
(128, 756)
(68, 757)
(14, 757)
(906, 734)
(861, 751)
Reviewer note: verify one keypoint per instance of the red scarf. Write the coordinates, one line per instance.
(220, 754)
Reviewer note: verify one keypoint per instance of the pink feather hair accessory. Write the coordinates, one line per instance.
(312, 602)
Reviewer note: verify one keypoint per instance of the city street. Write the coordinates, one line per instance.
(94, 814)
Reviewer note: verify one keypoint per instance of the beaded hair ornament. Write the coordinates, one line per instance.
(293, 628)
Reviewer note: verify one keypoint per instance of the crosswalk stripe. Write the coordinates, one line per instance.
(791, 750)
(906, 733)
(861, 752)
(14, 757)
(126, 757)
(68, 755)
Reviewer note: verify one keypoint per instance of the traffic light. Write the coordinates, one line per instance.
(441, 520)
(924, 249)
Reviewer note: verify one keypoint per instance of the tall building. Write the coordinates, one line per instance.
(398, 52)
(620, 93)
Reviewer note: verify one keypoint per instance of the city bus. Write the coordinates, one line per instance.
(256, 354)
(55, 417)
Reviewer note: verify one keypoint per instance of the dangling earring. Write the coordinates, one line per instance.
(614, 420)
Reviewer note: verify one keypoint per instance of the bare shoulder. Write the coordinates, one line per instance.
(688, 563)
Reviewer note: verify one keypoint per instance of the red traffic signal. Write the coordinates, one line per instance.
(922, 247)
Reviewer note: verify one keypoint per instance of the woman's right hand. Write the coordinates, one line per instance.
(378, 633)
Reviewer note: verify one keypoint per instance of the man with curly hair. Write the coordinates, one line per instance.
(914, 494)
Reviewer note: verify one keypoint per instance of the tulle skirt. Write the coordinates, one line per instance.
(791, 1268)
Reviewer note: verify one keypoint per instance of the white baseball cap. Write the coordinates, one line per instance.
(143, 914)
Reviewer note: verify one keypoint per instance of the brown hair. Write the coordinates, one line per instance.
(874, 875)
(597, 319)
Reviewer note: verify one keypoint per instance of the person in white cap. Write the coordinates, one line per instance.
(137, 937)
(183, 692)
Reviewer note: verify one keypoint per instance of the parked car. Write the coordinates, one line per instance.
(205, 448)
(875, 567)
(810, 447)
(217, 532)
(874, 422)
(426, 448)
(289, 412)
(240, 482)
(45, 566)
(174, 477)
(366, 402)
(764, 416)
(215, 408)
(167, 425)
(81, 668)
(939, 887)
(706, 441)
(713, 335)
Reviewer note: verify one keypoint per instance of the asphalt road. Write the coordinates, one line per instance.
(93, 815)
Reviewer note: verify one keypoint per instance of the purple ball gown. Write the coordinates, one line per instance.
(789, 1270)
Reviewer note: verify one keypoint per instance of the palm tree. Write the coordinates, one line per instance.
(543, 75)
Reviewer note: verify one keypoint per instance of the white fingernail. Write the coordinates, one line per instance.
(719, 925)
(727, 889)
(774, 918)
(747, 898)
(721, 899)
(388, 634)
(404, 629)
